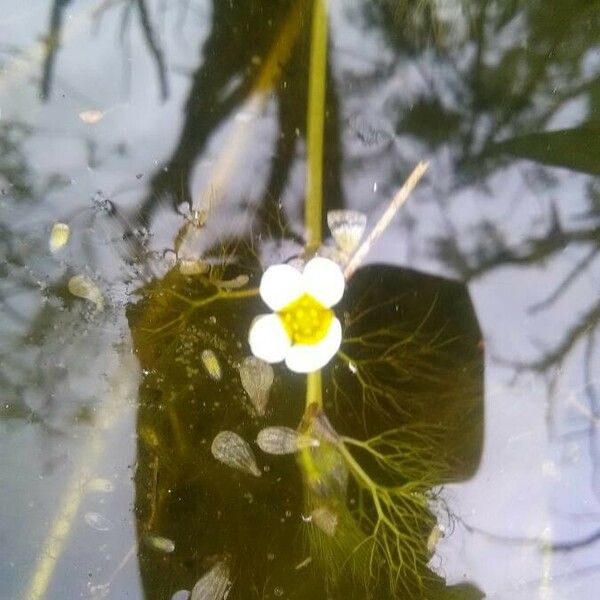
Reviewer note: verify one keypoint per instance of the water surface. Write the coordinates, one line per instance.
(123, 118)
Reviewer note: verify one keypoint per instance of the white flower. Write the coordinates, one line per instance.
(302, 330)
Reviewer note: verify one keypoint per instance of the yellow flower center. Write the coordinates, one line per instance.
(306, 320)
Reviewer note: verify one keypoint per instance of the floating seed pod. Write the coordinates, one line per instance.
(232, 450)
(257, 379)
(214, 585)
(347, 228)
(83, 287)
(211, 364)
(97, 521)
(59, 236)
(283, 440)
(325, 519)
(91, 117)
(159, 543)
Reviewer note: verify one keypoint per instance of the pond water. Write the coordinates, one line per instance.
(153, 163)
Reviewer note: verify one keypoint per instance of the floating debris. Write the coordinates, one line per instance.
(283, 440)
(437, 533)
(211, 364)
(325, 519)
(231, 284)
(97, 592)
(232, 450)
(335, 254)
(245, 116)
(370, 132)
(59, 236)
(159, 543)
(347, 228)
(100, 485)
(83, 287)
(214, 585)
(91, 117)
(102, 204)
(257, 379)
(303, 563)
(193, 267)
(181, 595)
(97, 521)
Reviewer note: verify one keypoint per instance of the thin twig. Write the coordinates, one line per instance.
(397, 201)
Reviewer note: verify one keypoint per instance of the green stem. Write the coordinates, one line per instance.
(315, 125)
(358, 471)
(314, 394)
(314, 174)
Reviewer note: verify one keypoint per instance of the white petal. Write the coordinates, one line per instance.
(304, 358)
(324, 280)
(268, 338)
(280, 285)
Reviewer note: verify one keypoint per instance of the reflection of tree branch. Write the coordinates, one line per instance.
(566, 546)
(593, 429)
(577, 270)
(583, 327)
(530, 252)
(52, 42)
(292, 101)
(232, 70)
(154, 48)
(225, 58)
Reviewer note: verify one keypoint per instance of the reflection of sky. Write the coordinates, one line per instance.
(534, 481)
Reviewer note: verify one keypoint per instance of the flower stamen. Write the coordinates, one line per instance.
(306, 320)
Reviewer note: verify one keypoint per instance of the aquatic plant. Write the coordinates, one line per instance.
(375, 431)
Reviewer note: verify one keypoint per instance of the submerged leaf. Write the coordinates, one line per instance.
(347, 228)
(83, 287)
(59, 236)
(325, 519)
(257, 378)
(214, 585)
(232, 450)
(283, 440)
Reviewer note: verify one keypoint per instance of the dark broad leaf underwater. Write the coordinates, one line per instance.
(407, 384)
